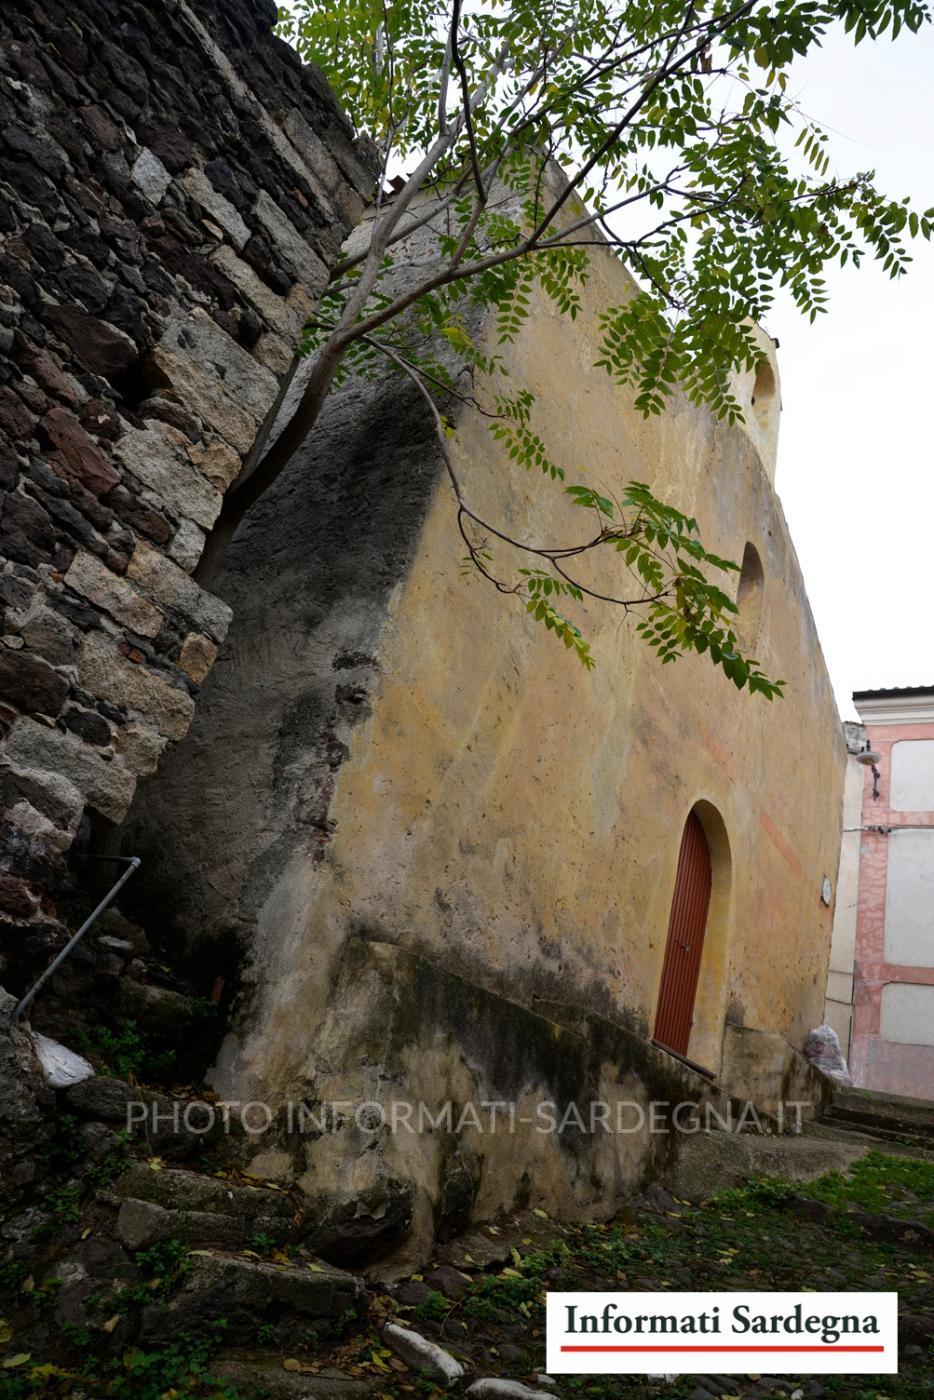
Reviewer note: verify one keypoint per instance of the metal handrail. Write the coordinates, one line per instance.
(133, 864)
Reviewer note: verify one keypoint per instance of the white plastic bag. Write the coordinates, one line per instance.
(61, 1067)
(822, 1049)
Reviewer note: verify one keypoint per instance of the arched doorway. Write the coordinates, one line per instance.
(687, 926)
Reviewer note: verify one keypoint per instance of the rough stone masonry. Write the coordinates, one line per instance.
(174, 186)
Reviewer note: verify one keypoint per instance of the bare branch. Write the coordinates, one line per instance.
(552, 555)
(465, 94)
(445, 74)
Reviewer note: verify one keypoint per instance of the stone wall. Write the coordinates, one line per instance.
(174, 186)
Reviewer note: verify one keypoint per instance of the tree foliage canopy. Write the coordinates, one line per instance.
(683, 148)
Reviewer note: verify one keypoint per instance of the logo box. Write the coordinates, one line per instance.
(726, 1333)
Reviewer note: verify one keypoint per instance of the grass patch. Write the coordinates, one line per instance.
(180, 1372)
(880, 1184)
(125, 1051)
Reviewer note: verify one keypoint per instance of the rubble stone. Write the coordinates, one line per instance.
(157, 457)
(151, 175)
(94, 581)
(30, 683)
(163, 580)
(105, 673)
(141, 155)
(199, 187)
(106, 786)
(197, 656)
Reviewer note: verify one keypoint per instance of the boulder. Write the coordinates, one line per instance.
(358, 1228)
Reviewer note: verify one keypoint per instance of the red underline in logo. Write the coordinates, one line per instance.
(829, 1347)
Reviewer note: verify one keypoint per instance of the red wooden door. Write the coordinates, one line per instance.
(685, 945)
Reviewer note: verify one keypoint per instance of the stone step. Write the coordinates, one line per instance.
(852, 1133)
(176, 1189)
(891, 1116)
(141, 1224)
(264, 1378)
(172, 1127)
(291, 1302)
(708, 1162)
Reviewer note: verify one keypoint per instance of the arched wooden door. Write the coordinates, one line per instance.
(686, 927)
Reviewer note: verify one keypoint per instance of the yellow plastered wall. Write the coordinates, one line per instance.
(518, 819)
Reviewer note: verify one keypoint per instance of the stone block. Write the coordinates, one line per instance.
(248, 1292)
(292, 248)
(76, 452)
(106, 785)
(158, 458)
(199, 188)
(175, 1189)
(94, 581)
(151, 175)
(140, 746)
(312, 150)
(49, 792)
(103, 348)
(217, 461)
(51, 635)
(49, 374)
(169, 585)
(197, 656)
(186, 545)
(30, 683)
(88, 725)
(275, 353)
(202, 393)
(26, 531)
(39, 830)
(172, 413)
(106, 674)
(17, 899)
(275, 310)
(300, 302)
(198, 335)
(16, 419)
(142, 1223)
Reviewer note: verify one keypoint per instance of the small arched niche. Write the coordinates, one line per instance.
(763, 394)
(749, 595)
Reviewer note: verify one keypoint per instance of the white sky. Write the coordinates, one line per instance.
(855, 453)
(855, 450)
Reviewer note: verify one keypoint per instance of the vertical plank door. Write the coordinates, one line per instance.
(685, 945)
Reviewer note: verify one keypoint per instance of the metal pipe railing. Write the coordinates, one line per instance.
(132, 863)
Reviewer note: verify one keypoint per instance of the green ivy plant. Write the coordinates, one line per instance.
(681, 148)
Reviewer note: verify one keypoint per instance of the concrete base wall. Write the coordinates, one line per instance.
(771, 1073)
(446, 1103)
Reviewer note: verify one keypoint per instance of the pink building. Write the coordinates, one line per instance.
(891, 844)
